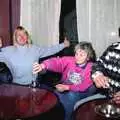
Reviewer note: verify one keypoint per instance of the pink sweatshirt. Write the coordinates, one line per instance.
(78, 78)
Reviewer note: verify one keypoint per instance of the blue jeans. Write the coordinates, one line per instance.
(68, 99)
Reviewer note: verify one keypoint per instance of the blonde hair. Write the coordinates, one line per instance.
(87, 46)
(20, 28)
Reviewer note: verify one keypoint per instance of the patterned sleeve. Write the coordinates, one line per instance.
(102, 62)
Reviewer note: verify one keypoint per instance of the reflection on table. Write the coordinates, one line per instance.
(24, 102)
(86, 111)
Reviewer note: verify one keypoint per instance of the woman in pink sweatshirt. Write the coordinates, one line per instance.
(76, 80)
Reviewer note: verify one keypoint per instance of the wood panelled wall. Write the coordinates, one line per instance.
(9, 19)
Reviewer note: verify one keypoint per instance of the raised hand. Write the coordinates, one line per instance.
(37, 68)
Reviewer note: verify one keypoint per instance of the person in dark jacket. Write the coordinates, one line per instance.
(5, 73)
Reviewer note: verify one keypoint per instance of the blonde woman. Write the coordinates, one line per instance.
(20, 57)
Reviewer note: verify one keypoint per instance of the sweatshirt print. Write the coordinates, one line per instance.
(78, 78)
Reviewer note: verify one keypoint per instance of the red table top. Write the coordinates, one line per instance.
(23, 102)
